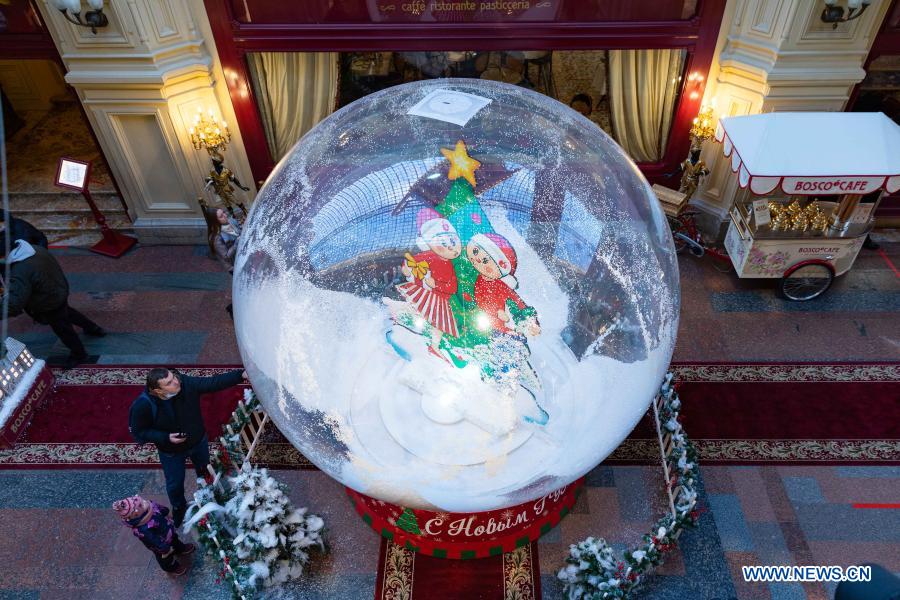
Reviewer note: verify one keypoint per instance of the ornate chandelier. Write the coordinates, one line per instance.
(209, 133)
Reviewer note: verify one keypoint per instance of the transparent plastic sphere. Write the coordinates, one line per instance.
(457, 295)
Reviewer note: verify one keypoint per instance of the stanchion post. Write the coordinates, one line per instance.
(76, 175)
(113, 244)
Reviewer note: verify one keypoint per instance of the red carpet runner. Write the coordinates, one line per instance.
(795, 413)
(84, 423)
(412, 576)
(764, 413)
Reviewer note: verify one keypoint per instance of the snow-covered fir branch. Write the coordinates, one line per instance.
(246, 521)
(592, 571)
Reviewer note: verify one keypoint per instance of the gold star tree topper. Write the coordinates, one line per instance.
(461, 164)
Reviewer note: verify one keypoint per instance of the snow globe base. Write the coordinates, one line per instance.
(466, 535)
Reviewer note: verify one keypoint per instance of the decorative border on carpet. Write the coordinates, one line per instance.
(100, 375)
(767, 451)
(684, 372)
(641, 451)
(399, 564)
(131, 455)
(518, 574)
(786, 373)
(280, 455)
(397, 573)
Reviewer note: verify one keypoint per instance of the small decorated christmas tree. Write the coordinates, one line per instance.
(274, 538)
(408, 523)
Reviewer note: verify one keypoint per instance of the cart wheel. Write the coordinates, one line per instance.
(806, 281)
(678, 227)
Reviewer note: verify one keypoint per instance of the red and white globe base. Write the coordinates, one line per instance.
(466, 535)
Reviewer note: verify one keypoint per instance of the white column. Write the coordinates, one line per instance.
(778, 55)
(141, 80)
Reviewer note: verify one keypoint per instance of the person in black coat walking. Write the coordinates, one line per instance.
(167, 414)
(20, 229)
(38, 286)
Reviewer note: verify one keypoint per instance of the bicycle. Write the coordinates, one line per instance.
(685, 233)
(686, 236)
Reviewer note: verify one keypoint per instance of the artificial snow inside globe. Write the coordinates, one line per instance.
(456, 295)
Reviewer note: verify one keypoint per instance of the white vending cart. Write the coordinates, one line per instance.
(803, 222)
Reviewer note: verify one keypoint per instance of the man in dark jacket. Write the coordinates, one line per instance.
(38, 286)
(167, 413)
(20, 229)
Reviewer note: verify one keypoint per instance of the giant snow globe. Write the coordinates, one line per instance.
(456, 295)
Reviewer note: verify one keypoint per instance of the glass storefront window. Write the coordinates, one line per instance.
(579, 75)
(880, 90)
(19, 16)
(630, 94)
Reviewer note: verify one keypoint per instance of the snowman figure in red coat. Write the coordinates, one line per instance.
(430, 276)
(509, 319)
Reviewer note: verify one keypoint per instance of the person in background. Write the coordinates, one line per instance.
(20, 229)
(167, 413)
(38, 287)
(11, 120)
(151, 523)
(222, 233)
(882, 585)
(582, 103)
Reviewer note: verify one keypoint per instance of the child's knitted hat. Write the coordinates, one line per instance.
(128, 506)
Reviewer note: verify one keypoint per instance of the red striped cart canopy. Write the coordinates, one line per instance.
(813, 153)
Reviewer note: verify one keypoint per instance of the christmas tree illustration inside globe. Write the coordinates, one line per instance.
(456, 295)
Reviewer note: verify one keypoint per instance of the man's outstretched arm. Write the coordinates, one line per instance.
(215, 383)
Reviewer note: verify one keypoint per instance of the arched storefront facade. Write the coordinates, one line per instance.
(645, 66)
(626, 57)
